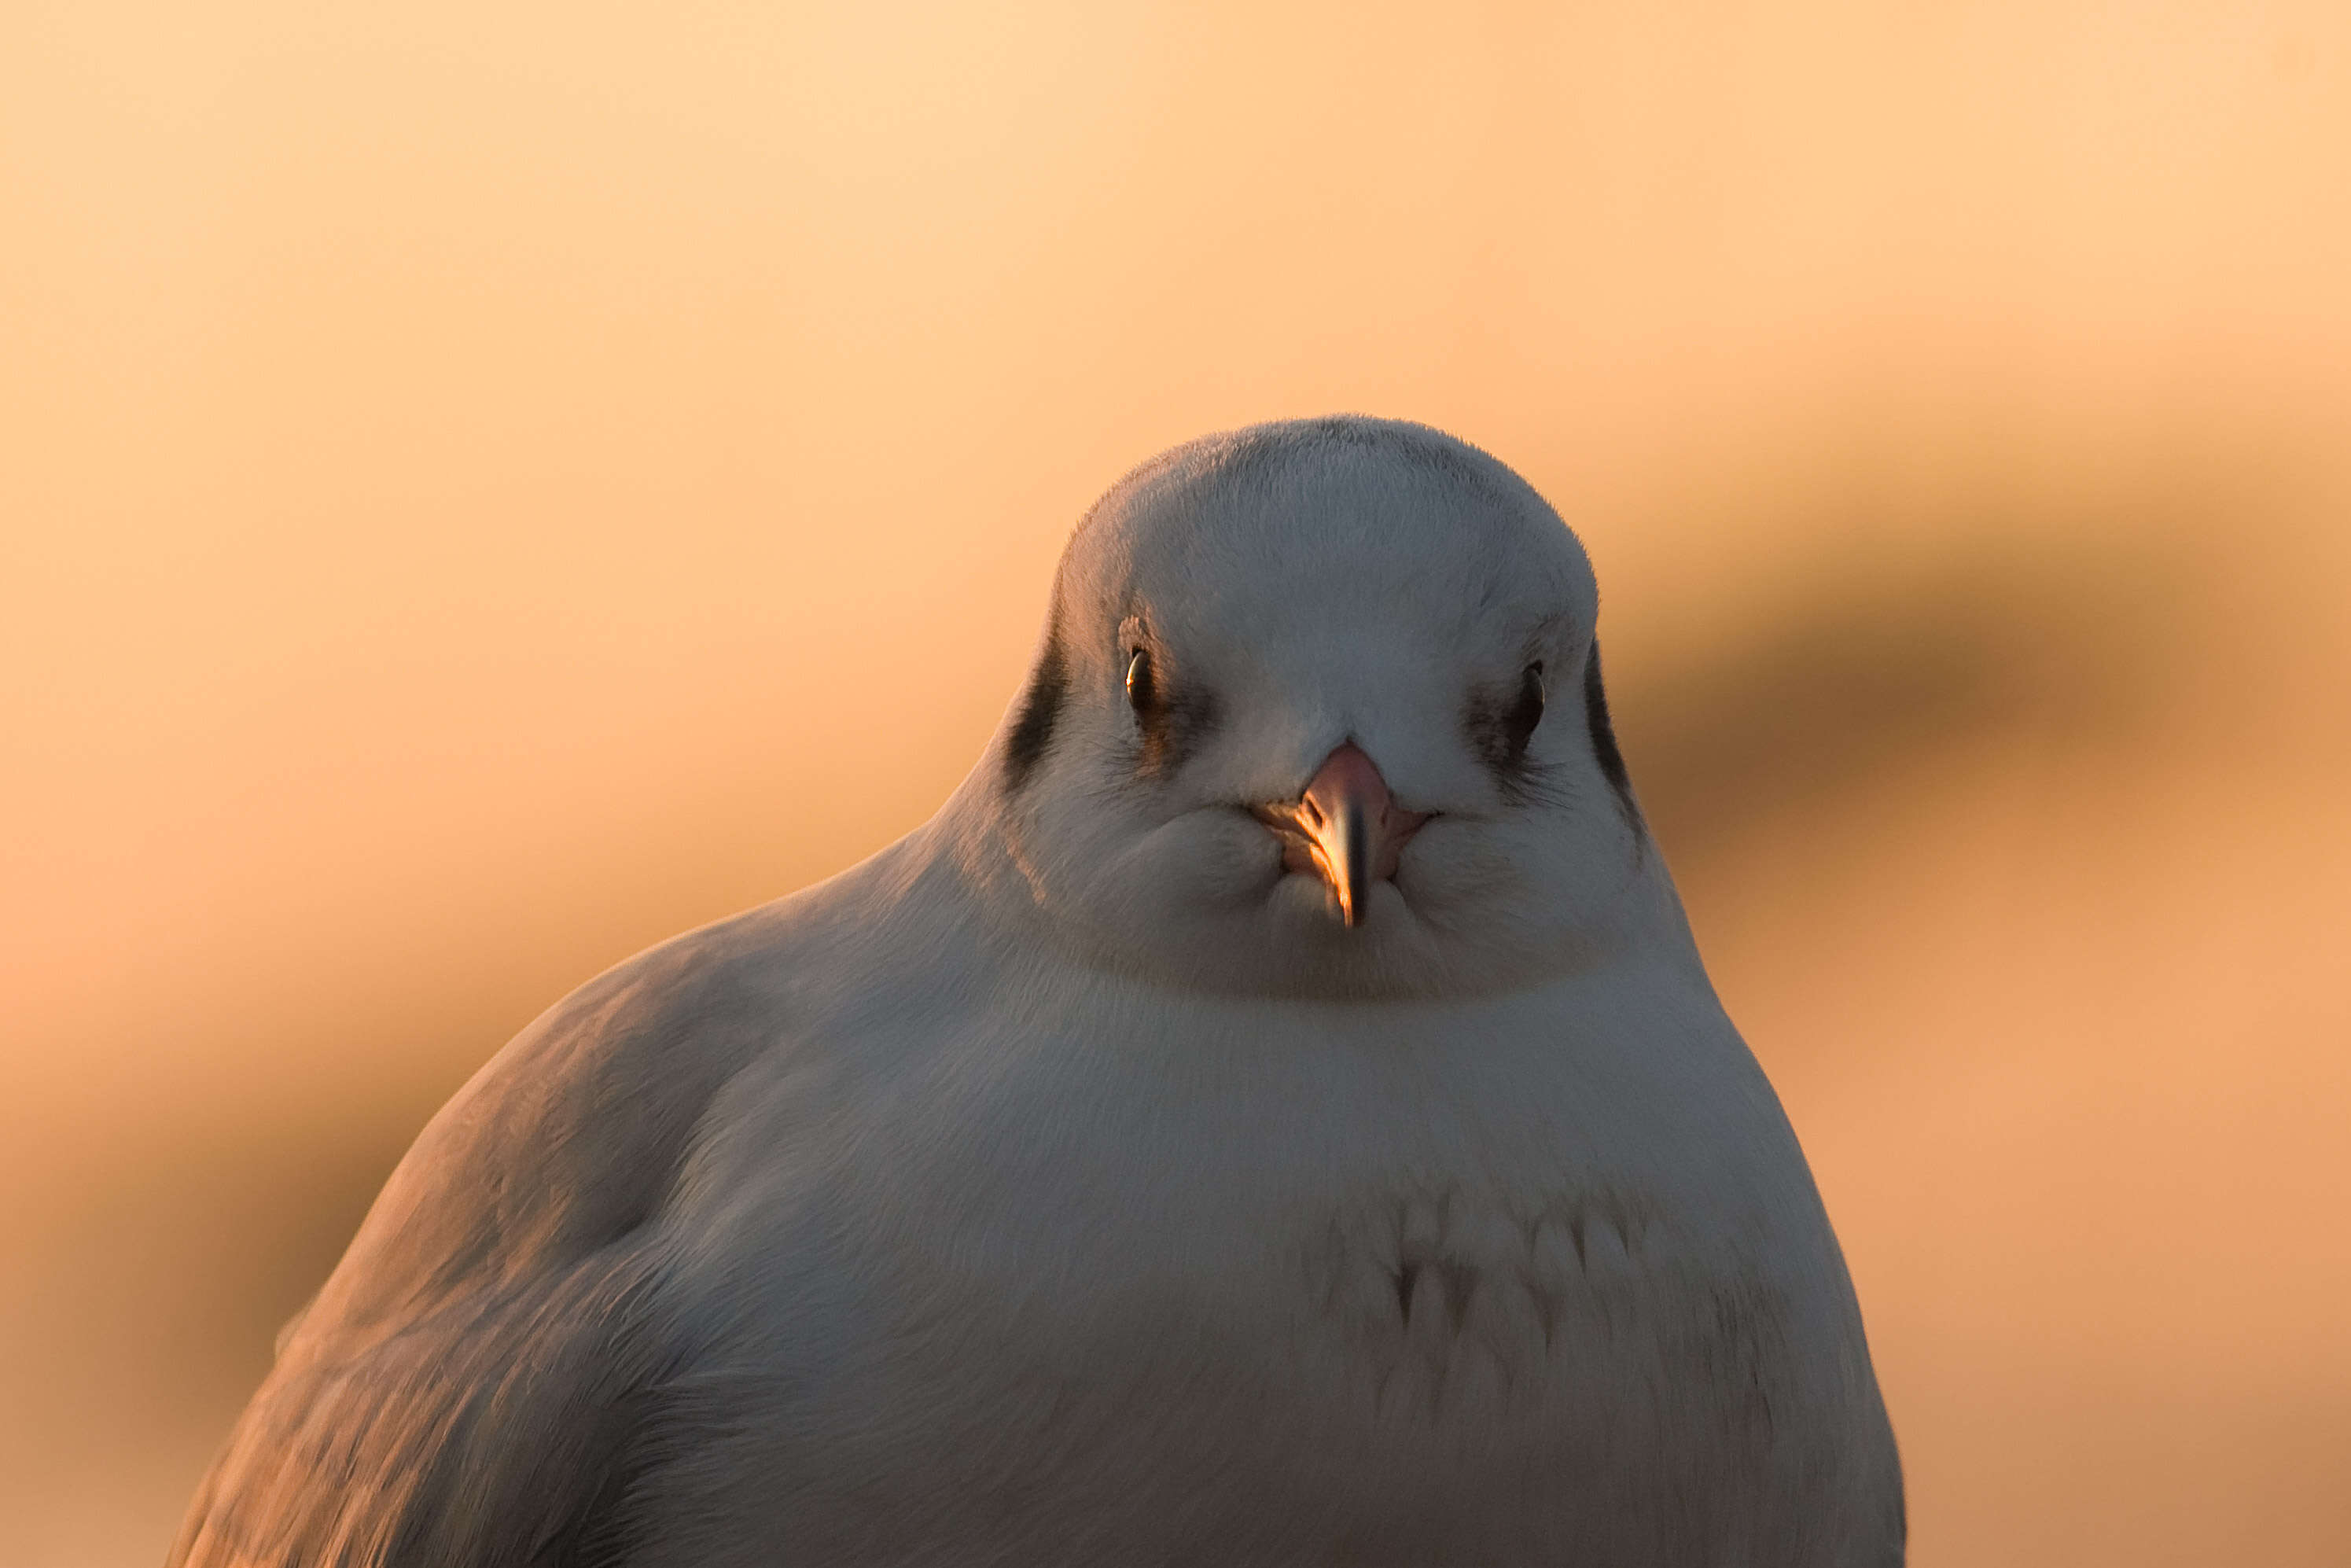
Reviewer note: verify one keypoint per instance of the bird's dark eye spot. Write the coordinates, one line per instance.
(1141, 691)
(1518, 724)
(1041, 706)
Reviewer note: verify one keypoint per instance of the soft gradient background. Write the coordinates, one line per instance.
(485, 488)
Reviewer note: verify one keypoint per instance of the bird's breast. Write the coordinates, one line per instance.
(1400, 1357)
(1435, 1244)
(1350, 1311)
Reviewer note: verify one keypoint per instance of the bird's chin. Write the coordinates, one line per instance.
(1305, 904)
(1290, 939)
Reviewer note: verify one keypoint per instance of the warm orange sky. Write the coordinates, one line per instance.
(482, 488)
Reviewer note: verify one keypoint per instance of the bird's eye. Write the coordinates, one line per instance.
(1528, 711)
(1140, 693)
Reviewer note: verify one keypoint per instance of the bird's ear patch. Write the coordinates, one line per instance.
(1605, 749)
(1041, 708)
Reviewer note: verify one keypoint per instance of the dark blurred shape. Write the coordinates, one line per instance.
(1848, 680)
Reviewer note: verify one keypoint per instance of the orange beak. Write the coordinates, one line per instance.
(1345, 828)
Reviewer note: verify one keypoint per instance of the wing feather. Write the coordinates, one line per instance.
(480, 1381)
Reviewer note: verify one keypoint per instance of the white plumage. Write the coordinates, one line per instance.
(1073, 1183)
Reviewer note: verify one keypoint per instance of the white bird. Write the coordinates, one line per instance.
(1274, 1114)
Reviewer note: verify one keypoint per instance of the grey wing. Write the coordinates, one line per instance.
(481, 1382)
(502, 1429)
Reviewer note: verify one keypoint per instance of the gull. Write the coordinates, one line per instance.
(1274, 1114)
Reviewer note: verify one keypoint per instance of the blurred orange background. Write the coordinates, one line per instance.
(482, 488)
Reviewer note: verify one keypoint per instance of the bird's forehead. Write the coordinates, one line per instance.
(1335, 543)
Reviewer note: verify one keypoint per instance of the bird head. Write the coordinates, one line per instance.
(1318, 712)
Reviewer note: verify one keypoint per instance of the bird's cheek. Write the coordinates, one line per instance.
(1207, 858)
(1451, 861)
